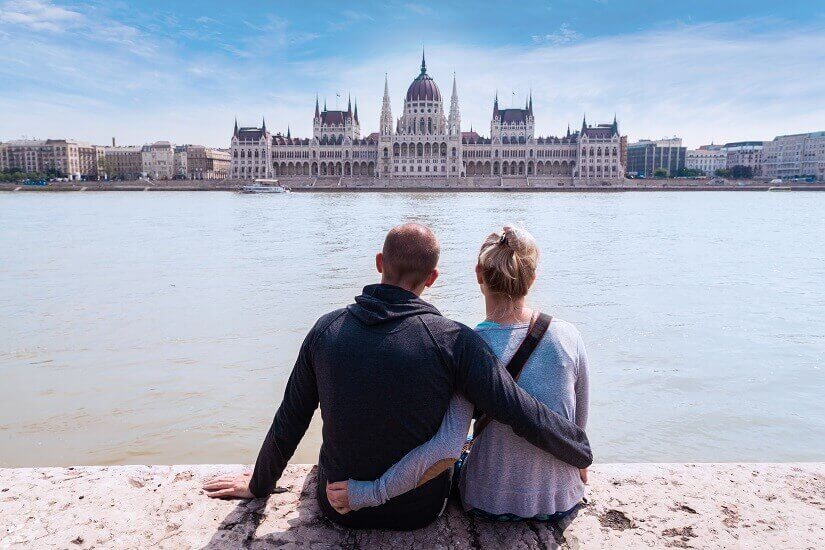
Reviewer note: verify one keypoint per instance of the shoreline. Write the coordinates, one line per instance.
(649, 186)
(630, 506)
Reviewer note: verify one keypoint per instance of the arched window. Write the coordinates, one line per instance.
(443, 149)
(429, 125)
(386, 152)
(420, 150)
(427, 149)
(454, 152)
(403, 149)
(396, 150)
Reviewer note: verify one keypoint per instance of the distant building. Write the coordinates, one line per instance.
(427, 141)
(123, 162)
(645, 157)
(707, 159)
(206, 163)
(794, 156)
(73, 159)
(158, 160)
(745, 153)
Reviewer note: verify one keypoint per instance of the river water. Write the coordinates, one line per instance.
(162, 327)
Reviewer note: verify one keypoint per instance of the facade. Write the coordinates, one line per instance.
(706, 159)
(158, 160)
(794, 156)
(427, 141)
(745, 153)
(645, 157)
(123, 162)
(73, 159)
(206, 163)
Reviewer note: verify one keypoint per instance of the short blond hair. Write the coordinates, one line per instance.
(508, 261)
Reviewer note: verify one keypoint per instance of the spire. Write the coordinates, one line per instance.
(385, 126)
(615, 126)
(288, 132)
(263, 124)
(423, 62)
(235, 132)
(325, 104)
(568, 129)
(530, 104)
(317, 111)
(584, 122)
(454, 122)
(349, 103)
(356, 109)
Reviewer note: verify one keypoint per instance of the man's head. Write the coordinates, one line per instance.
(409, 258)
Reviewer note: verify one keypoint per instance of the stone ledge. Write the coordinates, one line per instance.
(631, 506)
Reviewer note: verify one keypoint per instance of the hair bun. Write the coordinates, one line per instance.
(517, 239)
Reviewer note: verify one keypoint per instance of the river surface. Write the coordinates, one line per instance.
(162, 327)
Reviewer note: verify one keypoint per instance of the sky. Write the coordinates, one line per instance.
(706, 71)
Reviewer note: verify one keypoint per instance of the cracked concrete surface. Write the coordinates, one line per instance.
(631, 506)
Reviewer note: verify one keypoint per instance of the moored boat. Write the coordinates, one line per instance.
(264, 186)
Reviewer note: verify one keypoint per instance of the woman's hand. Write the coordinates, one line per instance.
(338, 496)
(583, 475)
(229, 486)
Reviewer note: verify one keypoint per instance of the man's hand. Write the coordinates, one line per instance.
(338, 496)
(236, 486)
(583, 475)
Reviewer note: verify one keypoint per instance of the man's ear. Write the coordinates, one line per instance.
(479, 278)
(431, 279)
(379, 262)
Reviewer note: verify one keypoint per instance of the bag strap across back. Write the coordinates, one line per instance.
(538, 326)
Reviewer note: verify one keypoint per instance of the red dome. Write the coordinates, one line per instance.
(423, 88)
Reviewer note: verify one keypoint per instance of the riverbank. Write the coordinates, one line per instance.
(332, 185)
(631, 506)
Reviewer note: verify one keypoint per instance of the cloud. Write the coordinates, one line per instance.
(419, 9)
(39, 16)
(564, 35)
(748, 79)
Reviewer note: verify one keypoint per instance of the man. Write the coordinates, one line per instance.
(383, 370)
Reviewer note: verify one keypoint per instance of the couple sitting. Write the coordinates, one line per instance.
(399, 384)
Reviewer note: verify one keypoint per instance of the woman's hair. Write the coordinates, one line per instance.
(508, 261)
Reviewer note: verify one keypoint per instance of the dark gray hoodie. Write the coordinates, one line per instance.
(383, 370)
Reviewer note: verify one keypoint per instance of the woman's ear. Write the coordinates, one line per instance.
(479, 278)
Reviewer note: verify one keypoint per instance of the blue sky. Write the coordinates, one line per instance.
(142, 71)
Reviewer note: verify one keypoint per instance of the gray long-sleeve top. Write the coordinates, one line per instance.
(504, 473)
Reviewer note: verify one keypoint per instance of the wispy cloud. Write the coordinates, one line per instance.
(704, 82)
(564, 35)
(39, 16)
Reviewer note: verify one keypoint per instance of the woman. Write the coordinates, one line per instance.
(504, 477)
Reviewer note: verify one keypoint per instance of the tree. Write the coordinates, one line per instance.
(741, 172)
(660, 173)
(688, 173)
(722, 173)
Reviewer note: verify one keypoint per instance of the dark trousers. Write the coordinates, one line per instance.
(412, 510)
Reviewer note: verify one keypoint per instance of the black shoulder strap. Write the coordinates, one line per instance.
(519, 359)
(525, 350)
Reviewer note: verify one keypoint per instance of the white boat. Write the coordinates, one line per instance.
(264, 186)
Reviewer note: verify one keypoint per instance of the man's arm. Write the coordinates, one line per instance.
(289, 425)
(481, 377)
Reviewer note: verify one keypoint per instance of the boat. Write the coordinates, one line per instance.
(780, 188)
(264, 186)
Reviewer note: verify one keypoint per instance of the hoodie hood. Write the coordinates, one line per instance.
(387, 303)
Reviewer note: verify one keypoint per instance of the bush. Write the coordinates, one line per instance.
(660, 173)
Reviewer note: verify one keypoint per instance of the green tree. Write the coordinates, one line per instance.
(688, 173)
(660, 173)
(741, 172)
(722, 173)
